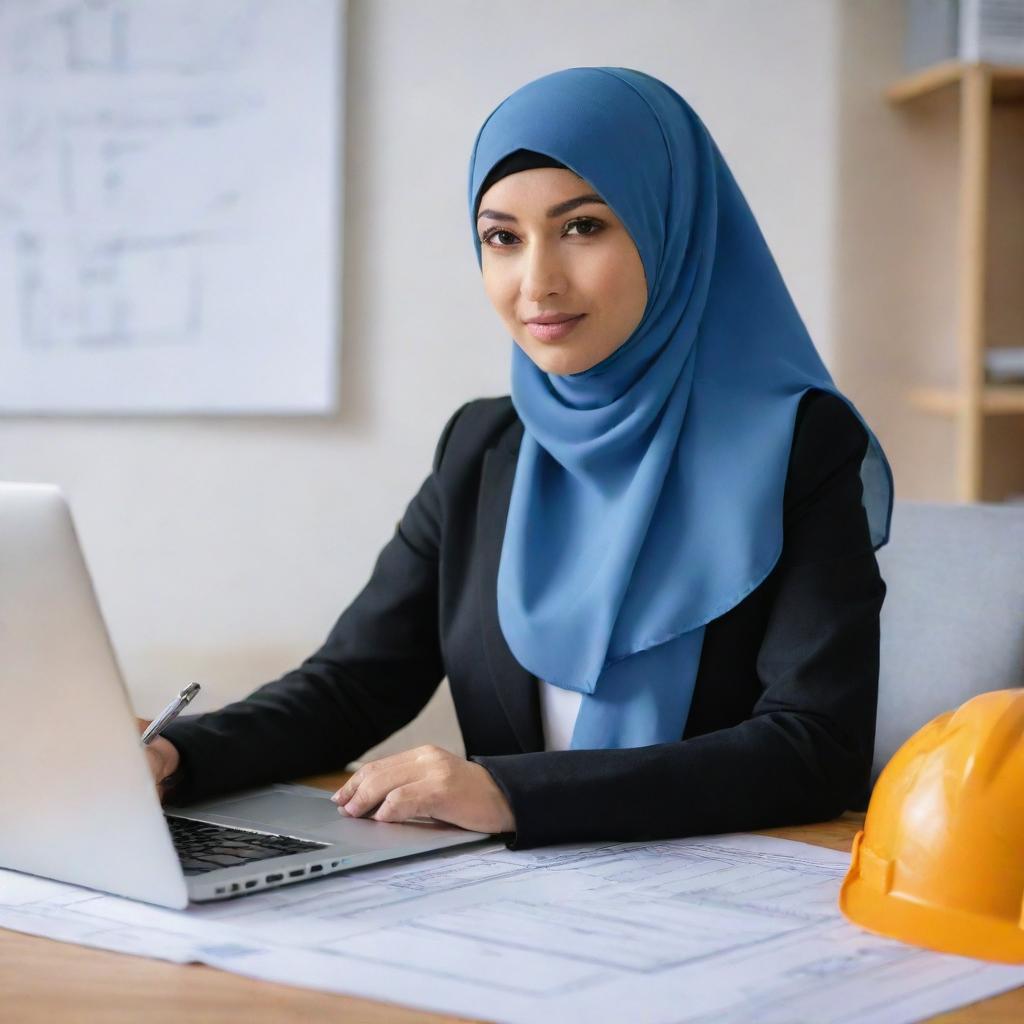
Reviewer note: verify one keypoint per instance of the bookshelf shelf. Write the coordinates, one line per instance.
(996, 400)
(971, 401)
(1007, 82)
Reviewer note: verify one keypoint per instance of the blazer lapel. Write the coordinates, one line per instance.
(516, 687)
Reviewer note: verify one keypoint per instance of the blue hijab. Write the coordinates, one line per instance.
(647, 497)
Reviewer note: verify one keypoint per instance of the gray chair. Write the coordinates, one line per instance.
(952, 624)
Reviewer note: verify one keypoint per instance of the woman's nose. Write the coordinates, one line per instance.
(542, 274)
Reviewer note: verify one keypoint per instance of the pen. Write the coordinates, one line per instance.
(170, 712)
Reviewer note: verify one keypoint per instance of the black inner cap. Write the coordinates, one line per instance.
(519, 160)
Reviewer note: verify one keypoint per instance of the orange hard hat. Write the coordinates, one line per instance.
(940, 860)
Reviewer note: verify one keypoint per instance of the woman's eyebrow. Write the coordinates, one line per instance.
(555, 211)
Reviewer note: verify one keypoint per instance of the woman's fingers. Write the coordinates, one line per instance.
(419, 759)
(376, 781)
(413, 800)
(427, 782)
(359, 776)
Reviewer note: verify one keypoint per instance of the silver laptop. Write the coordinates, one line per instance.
(77, 800)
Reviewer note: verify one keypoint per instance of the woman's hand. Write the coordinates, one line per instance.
(162, 756)
(427, 782)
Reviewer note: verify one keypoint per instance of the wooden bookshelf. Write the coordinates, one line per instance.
(972, 400)
(996, 400)
(1007, 82)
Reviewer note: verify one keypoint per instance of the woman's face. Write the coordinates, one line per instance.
(551, 246)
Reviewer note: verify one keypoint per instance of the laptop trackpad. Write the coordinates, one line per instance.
(318, 817)
(281, 809)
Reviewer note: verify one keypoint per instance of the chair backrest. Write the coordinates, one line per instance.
(952, 624)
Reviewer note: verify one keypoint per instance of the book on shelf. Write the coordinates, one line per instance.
(1005, 365)
(991, 31)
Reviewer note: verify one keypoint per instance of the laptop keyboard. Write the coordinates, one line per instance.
(202, 846)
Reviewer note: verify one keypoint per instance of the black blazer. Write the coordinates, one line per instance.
(781, 726)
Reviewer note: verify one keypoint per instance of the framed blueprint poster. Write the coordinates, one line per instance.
(169, 205)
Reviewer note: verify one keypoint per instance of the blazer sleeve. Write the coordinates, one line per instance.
(378, 667)
(805, 752)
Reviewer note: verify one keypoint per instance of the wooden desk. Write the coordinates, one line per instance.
(42, 981)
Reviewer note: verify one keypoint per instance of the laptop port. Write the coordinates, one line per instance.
(296, 873)
(219, 889)
(274, 878)
(315, 867)
(249, 885)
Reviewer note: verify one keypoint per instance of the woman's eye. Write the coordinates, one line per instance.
(594, 226)
(493, 233)
(586, 227)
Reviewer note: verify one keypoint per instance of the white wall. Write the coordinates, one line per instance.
(223, 549)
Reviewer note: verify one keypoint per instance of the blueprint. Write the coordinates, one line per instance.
(725, 929)
(170, 176)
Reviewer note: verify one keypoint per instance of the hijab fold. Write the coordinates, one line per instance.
(647, 497)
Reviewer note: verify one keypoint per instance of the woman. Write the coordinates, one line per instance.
(649, 574)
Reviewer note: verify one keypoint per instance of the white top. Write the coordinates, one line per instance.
(558, 709)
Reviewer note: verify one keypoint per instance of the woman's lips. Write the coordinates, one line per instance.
(552, 332)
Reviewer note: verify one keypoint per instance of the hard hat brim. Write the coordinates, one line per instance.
(941, 929)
